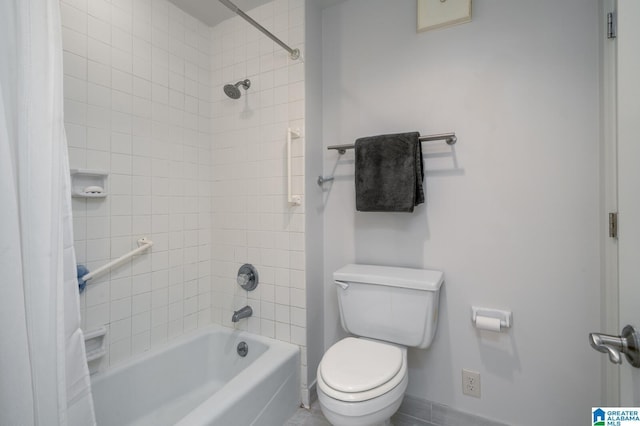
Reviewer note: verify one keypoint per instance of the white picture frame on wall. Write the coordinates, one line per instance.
(434, 14)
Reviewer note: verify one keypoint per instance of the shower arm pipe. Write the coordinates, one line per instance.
(293, 53)
(450, 138)
(143, 244)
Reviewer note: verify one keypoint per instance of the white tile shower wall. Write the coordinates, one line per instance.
(137, 104)
(252, 221)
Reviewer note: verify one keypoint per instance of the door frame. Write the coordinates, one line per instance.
(609, 200)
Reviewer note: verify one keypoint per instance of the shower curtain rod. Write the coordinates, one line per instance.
(293, 53)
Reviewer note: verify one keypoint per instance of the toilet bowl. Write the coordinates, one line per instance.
(361, 382)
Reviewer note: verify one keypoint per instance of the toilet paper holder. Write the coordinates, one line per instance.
(505, 317)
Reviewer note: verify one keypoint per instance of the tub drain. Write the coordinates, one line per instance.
(243, 349)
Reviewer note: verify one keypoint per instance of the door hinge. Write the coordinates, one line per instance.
(612, 27)
(613, 225)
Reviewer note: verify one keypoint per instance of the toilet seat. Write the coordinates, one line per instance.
(355, 370)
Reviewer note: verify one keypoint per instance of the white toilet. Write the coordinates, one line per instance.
(362, 380)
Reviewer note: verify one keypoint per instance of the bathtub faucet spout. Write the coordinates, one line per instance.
(245, 312)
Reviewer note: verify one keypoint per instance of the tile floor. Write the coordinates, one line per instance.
(314, 417)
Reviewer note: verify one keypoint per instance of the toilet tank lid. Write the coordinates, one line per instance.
(419, 279)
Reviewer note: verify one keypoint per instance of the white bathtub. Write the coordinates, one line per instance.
(199, 379)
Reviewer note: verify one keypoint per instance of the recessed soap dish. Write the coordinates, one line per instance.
(94, 343)
(88, 183)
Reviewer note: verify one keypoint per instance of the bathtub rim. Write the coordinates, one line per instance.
(278, 345)
(273, 360)
(276, 356)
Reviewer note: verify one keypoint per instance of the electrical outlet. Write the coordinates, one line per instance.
(471, 383)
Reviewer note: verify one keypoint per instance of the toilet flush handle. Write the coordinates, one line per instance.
(343, 285)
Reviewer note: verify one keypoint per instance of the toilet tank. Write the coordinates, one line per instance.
(397, 305)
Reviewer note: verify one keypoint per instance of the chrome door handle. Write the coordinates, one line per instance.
(628, 344)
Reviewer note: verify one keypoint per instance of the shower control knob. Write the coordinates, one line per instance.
(243, 279)
(247, 277)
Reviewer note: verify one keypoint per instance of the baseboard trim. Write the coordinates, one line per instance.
(309, 395)
(433, 413)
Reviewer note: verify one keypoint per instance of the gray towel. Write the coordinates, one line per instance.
(389, 173)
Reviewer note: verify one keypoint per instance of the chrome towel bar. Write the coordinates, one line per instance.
(450, 138)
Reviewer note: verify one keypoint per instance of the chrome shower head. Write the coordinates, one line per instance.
(232, 90)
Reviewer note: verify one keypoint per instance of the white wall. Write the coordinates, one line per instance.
(252, 221)
(512, 210)
(137, 105)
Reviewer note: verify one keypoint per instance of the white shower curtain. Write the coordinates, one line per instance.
(44, 378)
